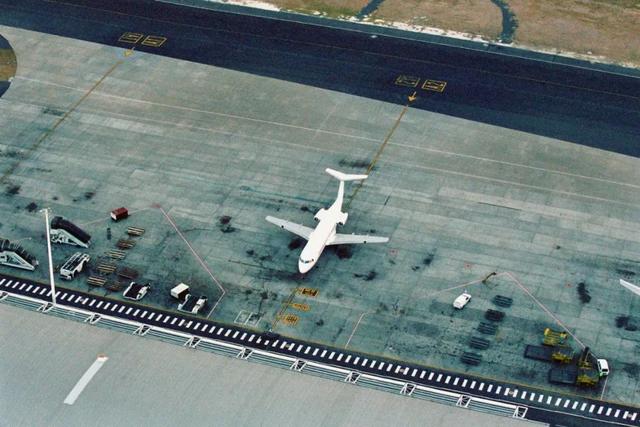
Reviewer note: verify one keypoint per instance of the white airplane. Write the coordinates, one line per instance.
(633, 288)
(325, 232)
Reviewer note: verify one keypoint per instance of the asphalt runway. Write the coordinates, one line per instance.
(579, 105)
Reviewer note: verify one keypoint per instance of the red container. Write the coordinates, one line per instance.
(118, 214)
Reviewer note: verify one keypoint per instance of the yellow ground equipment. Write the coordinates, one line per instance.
(554, 338)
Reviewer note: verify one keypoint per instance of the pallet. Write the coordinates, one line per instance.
(471, 358)
(479, 343)
(125, 244)
(502, 301)
(494, 315)
(113, 286)
(487, 328)
(128, 273)
(96, 281)
(106, 267)
(135, 231)
(115, 254)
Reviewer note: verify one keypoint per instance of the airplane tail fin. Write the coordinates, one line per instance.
(345, 176)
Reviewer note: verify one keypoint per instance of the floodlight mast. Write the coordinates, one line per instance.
(53, 285)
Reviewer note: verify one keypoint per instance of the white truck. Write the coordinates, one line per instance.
(73, 265)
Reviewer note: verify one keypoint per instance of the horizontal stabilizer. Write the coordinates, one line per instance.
(344, 176)
(297, 229)
(350, 239)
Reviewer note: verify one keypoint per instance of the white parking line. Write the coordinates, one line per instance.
(28, 288)
(2, 281)
(498, 389)
(464, 383)
(617, 413)
(188, 325)
(430, 376)
(84, 380)
(600, 409)
(135, 313)
(489, 388)
(233, 336)
(213, 327)
(92, 302)
(22, 286)
(43, 291)
(175, 319)
(608, 411)
(532, 396)
(422, 374)
(575, 405)
(129, 310)
(566, 403)
(584, 405)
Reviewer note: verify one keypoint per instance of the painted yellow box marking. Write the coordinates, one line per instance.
(434, 85)
(154, 41)
(408, 81)
(129, 37)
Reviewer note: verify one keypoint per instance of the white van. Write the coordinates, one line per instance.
(603, 367)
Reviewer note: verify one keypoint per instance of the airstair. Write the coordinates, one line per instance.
(64, 231)
(14, 255)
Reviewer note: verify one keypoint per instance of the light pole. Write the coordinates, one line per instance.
(53, 285)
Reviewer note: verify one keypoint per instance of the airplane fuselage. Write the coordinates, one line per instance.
(311, 252)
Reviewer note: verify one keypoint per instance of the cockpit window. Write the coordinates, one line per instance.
(306, 261)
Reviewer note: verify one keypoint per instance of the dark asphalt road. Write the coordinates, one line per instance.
(544, 406)
(580, 105)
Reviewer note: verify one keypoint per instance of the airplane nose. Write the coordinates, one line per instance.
(303, 268)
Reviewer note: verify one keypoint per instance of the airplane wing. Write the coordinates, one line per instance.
(300, 230)
(347, 239)
(633, 288)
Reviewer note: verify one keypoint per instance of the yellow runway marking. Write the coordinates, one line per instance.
(346, 49)
(309, 292)
(154, 41)
(381, 149)
(434, 85)
(48, 133)
(129, 37)
(300, 306)
(356, 137)
(408, 81)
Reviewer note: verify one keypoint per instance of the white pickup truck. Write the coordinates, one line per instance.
(462, 300)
